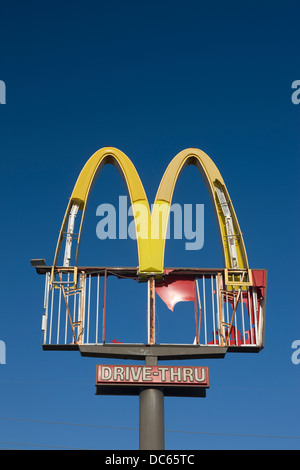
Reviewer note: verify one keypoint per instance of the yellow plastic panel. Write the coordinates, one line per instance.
(92, 167)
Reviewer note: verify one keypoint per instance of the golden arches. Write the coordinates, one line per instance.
(151, 228)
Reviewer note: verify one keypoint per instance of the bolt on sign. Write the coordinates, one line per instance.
(173, 380)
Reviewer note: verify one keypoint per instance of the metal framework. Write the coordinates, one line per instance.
(225, 320)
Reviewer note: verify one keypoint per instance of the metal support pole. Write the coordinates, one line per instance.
(152, 426)
(104, 307)
(152, 419)
(151, 310)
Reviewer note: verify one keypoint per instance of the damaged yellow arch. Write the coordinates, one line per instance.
(151, 228)
(233, 248)
(84, 185)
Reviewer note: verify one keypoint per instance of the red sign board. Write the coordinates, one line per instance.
(162, 376)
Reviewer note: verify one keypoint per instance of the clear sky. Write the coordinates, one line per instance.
(150, 78)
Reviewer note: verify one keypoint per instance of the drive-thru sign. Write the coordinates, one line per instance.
(173, 380)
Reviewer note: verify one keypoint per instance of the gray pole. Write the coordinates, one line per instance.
(152, 421)
(152, 432)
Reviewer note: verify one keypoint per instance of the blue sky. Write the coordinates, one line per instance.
(150, 78)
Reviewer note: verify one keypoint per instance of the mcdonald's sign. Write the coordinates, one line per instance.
(237, 293)
(228, 318)
(151, 227)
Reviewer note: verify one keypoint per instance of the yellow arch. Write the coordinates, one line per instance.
(151, 228)
(217, 189)
(135, 188)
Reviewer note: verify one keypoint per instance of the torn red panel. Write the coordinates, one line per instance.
(175, 289)
(259, 280)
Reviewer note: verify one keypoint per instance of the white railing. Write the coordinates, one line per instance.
(75, 313)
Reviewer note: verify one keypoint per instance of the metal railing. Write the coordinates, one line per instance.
(75, 309)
